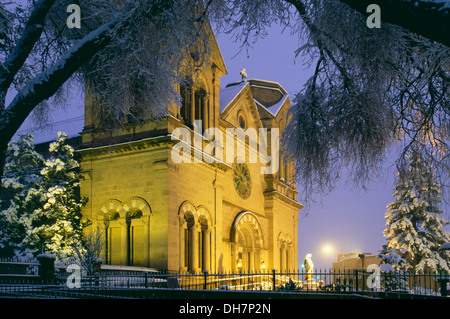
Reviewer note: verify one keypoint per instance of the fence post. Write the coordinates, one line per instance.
(46, 267)
(145, 280)
(443, 282)
(273, 278)
(205, 273)
(356, 279)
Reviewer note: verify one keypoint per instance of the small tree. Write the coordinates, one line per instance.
(414, 222)
(391, 264)
(89, 249)
(46, 214)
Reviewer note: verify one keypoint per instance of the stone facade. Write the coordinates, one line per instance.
(199, 215)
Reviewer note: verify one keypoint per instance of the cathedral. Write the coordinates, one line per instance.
(164, 201)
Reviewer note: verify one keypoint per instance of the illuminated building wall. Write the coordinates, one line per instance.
(200, 215)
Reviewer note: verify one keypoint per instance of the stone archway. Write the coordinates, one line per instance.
(127, 236)
(247, 242)
(196, 227)
(136, 244)
(286, 255)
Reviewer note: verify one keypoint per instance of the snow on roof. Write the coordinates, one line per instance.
(229, 93)
(274, 108)
(232, 90)
(277, 106)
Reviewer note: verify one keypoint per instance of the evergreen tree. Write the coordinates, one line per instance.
(391, 264)
(414, 221)
(390, 260)
(47, 213)
(22, 172)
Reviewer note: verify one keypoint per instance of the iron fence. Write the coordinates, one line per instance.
(17, 266)
(22, 278)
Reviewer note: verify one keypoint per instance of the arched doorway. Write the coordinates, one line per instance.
(247, 243)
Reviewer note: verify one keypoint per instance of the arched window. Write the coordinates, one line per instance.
(112, 237)
(135, 238)
(127, 240)
(186, 101)
(204, 244)
(194, 104)
(201, 108)
(190, 243)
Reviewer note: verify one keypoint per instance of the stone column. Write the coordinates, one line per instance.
(192, 107)
(206, 249)
(183, 228)
(283, 257)
(123, 240)
(194, 248)
(216, 238)
(146, 221)
(204, 116)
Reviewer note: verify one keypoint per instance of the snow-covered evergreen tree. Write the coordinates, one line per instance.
(414, 221)
(22, 172)
(47, 213)
(391, 264)
(389, 259)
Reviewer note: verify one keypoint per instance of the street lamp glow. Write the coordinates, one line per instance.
(327, 249)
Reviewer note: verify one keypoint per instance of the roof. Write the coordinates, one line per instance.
(229, 93)
(269, 95)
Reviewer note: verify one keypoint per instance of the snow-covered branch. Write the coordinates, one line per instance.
(25, 44)
(49, 81)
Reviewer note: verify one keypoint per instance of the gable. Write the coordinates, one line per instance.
(270, 99)
(238, 107)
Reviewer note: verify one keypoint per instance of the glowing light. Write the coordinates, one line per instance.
(239, 264)
(263, 265)
(328, 249)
